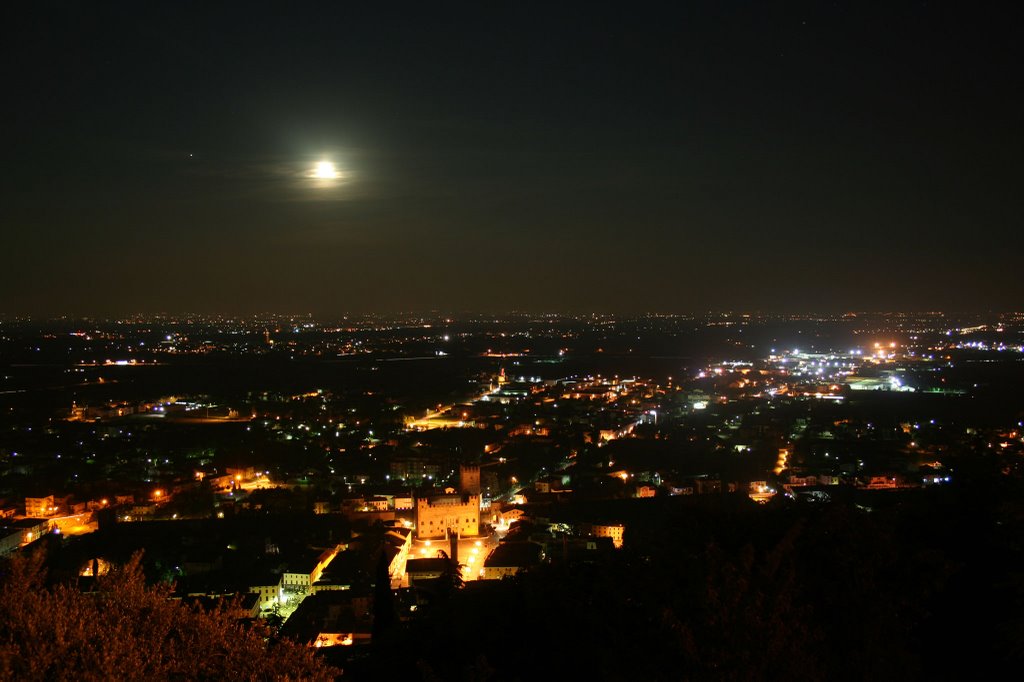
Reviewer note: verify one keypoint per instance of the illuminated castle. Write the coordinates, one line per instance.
(455, 510)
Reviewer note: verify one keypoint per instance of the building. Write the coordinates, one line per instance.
(797, 480)
(506, 517)
(332, 618)
(469, 478)
(436, 514)
(427, 569)
(21, 533)
(415, 468)
(400, 537)
(10, 540)
(509, 558)
(301, 574)
(269, 590)
(244, 606)
(615, 531)
(40, 507)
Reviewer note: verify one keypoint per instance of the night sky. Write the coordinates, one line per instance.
(619, 157)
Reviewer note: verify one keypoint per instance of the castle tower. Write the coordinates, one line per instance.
(453, 546)
(469, 479)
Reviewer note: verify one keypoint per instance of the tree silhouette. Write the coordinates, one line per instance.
(125, 629)
(385, 614)
(450, 580)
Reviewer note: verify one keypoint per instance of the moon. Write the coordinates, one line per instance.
(326, 170)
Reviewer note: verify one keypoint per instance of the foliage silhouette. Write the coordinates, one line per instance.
(124, 629)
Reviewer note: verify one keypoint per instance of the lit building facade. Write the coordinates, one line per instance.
(615, 531)
(435, 514)
(40, 507)
(269, 592)
(302, 576)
